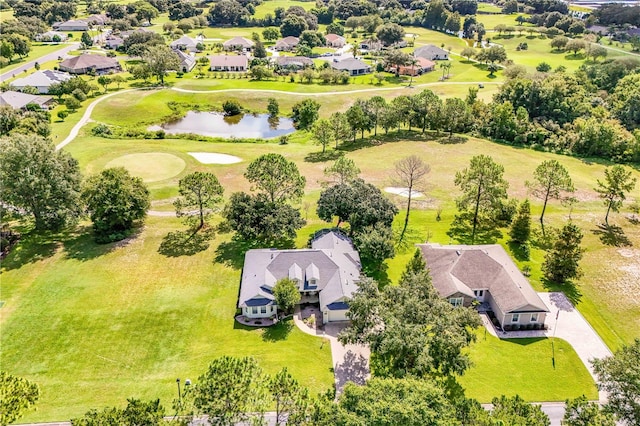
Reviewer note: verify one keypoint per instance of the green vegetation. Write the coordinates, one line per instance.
(507, 364)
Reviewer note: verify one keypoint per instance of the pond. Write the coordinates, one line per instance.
(237, 126)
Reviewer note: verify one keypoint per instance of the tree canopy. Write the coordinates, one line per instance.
(39, 180)
(276, 177)
(286, 294)
(17, 395)
(550, 181)
(613, 190)
(115, 199)
(199, 191)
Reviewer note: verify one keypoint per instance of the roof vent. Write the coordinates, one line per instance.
(458, 252)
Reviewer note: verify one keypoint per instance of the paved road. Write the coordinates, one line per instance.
(46, 58)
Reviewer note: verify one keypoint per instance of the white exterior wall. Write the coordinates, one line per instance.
(248, 311)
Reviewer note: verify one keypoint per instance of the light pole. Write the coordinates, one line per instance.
(179, 394)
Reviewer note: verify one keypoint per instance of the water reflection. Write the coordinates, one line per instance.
(236, 126)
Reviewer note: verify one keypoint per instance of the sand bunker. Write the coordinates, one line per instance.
(403, 192)
(214, 158)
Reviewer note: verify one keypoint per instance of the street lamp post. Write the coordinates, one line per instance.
(179, 394)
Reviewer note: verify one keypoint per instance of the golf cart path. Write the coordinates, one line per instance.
(87, 114)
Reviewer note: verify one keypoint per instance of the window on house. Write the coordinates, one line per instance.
(254, 310)
(534, 317)
(478, 293)
(515, 318)
(312, 281)
(456, 301)
(263, 309)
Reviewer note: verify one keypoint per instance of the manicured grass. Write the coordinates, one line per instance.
(150, 166)
(526, 367)
(269, 6)
(490, 21)
(489, 8)
(37, 50)
(96, 324)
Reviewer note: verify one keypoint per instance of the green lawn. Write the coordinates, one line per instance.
(269, 6)
(37, 50)
(526, 367)
(489, 8)
(96, 324)
(490, 21)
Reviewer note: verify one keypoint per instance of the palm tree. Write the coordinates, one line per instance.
(413, 62)
(446, 67)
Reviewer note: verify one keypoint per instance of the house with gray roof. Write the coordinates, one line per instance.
(71, 25)
(327, 274)
(19, 100)
(431, 52)
(41, 80)
(293, 62)
(185, 43)
(352, 65)
(487, 274)
(287, 43)
(187, 61)
(88, 62)
(238, 43)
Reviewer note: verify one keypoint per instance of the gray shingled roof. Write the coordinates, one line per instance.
(350, 64)
(430, 52)
(332, 260)
(466, 268)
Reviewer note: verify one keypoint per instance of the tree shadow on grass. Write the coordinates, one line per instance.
(185, 243)
(232, 253)
(453, 140)
(83, 247)
(518, 252)
(612, 235)
(569, 289)
(461, 231)
(279, 331)
(31, 248)
(321, 157)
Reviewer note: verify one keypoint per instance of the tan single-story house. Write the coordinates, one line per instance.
(228, 63)
(113, 42)
(71, 25)
(326, 274)
(294, 62)
(287, 44)
(87, 62)
(370, 44)
(431, 52)
(41, 80)
(19, 100)
(352, 65)
(421, 66)
(238, 43)
(335, 40)
(486, 274)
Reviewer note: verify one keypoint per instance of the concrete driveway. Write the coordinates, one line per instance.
(350, 362)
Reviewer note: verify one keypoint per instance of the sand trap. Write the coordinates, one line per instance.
(214, 158)
(403, 192)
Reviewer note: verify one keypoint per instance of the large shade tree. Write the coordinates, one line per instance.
(40, 181)
(276, 177)
(410, 173)
(550, 181)
(115, 200)
(17, 395)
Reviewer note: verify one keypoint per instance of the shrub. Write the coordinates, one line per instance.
(543, 67)
(160, 134)
(231, 108)
(79, 95)
(101, 130)
(62, 114)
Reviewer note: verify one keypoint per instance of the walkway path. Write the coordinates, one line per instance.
(350, 362)
(567, 323)
(42, 59)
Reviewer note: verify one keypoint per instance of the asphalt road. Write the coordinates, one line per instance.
(46, 58)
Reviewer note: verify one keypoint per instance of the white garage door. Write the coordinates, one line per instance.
(338, 315)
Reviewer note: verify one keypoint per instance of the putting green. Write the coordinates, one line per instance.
(150, 166)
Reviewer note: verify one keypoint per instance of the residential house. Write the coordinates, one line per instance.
(19, 100)
(335, 40)
(431, 52)
(485, 273)
(127, 33)
(421, 66)
(52, 36)
(71, 26)
(352, 65)
(228, 63)
(370, 44)
(287, 43)
(187, 61)
(238, 43)
(87, 62)
(185, 43)
(41, 80)
(113, 42)
(327, 274)
(99, 20)
(293, 62)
